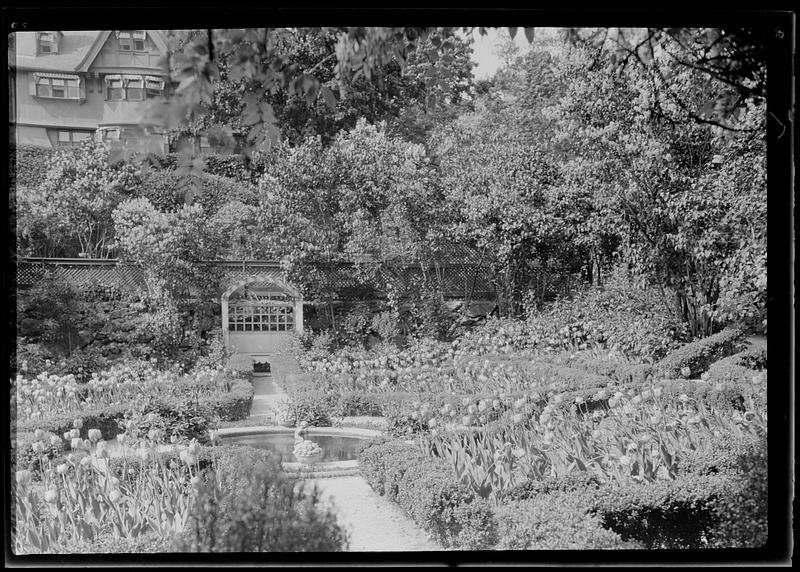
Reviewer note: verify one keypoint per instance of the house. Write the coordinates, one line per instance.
(68, 86)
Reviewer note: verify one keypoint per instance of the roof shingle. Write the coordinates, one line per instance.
(72, 50)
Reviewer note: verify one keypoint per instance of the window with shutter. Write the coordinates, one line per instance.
(57, 86)
(134, 89)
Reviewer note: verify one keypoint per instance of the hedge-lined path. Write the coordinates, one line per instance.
(266, 394)
(268, 390)
(374, 523)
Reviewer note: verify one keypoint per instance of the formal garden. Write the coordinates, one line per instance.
(553, 308)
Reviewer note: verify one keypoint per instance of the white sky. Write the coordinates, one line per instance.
(484, 50)
(485, 47)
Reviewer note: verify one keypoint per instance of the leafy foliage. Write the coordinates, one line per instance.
(70, 211)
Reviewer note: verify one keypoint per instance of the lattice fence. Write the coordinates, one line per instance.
(453, 280)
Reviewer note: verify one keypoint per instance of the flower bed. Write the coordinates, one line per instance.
(159, 500)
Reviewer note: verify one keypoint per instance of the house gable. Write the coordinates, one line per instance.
(107, 55)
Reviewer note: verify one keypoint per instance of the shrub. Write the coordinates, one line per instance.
(313, 406)
(621, 371)
(166, 190)
(427, 490)
(175, 416)
(742, 512)
(382, 465)
(662, 514)
(618, 315)
(730, 396)
(25, 165)
(754, 357)
(232, 405)
(447, 509)
(552, 522)
(352, 404)
(258, 510)
(569, 483)
(697, 356)
(105, 419)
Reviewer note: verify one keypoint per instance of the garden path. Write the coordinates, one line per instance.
(267, 389)
(374, 523)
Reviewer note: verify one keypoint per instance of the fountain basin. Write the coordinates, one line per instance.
(340, 447)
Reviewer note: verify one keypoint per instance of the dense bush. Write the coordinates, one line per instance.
(234, 166)
(719, 500)
(662, 514)
(618, 315)
(573, 482)
(313, 406)
(754, 357)
(615, 368)
(254, 507)
(25, 164)
(182, 418)
(167, 189)
(231, 405)
(742, 512)
(696, 357)
(553, 522)
(383, 465)
(450, 511)
(427, 490)
(105, 419)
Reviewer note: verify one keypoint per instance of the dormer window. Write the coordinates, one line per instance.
(47, 43)
(131, 40)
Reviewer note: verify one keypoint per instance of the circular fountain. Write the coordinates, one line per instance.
(340, 447)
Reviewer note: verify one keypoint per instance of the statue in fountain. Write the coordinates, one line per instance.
(300, 432)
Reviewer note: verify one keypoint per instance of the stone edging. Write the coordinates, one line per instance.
(323, 470)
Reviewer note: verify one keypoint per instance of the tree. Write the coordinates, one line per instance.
(70, 212)
(261, 56)
(368, 197)
(173, 249)
(673, 189)
(728, 65)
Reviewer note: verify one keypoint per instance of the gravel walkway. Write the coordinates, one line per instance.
(375, 524)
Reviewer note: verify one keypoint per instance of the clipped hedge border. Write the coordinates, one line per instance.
(662, 514)
(105, 419)
(428, 491)
(556, 521)
(700, 354)
(233, 405)
(622, 372)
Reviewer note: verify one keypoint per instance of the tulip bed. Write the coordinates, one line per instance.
(78, 491)
(503, 416)
(158, 501)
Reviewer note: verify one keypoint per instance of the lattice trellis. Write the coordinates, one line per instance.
(453, 280)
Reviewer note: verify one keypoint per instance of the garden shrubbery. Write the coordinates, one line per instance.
(25, 164)
(427, 490)
(246, 504)
(553, 522)
(696, 357)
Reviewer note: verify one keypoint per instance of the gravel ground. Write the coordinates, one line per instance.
(375, 524)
